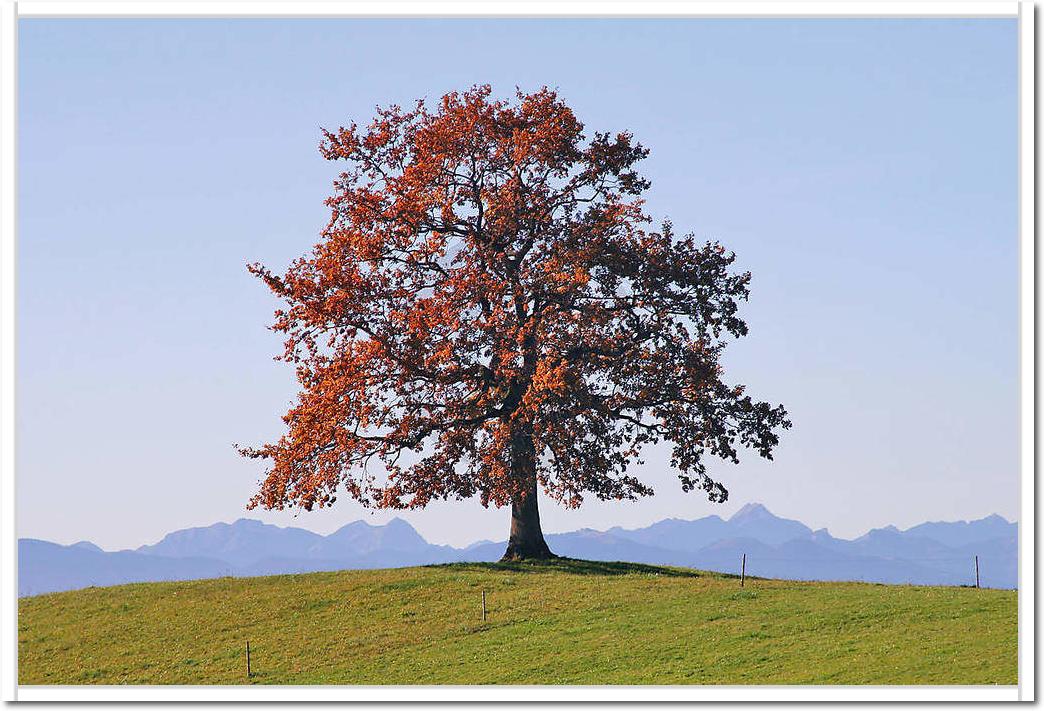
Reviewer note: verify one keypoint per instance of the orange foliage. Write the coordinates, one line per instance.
(488, 278)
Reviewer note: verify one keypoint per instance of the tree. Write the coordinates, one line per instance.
(488, 311)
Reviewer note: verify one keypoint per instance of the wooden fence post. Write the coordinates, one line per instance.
(248, 659)
(976, 571)
(483, 605)
(743, 570)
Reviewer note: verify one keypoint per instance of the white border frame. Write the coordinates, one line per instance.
(631, 694)
(1027, 354)
(519, 8)
(8, 552)
(10, 12)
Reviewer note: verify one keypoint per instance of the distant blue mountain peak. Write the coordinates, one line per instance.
(752, 510)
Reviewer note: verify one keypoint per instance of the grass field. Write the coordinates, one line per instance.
(567, 622)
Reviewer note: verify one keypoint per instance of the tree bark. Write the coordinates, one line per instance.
(526, 541)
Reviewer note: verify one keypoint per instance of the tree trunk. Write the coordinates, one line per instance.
(526, 540)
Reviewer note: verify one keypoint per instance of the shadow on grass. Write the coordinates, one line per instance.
(575, 566)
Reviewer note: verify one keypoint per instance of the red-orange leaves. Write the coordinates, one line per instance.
(487, 309)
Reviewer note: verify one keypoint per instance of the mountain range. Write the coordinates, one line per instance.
(937, 553)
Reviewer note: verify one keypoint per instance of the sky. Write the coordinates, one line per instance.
(865, 172)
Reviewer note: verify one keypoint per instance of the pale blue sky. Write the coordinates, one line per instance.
(863, 170)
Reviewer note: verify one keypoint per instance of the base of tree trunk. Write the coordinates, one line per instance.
(529, 551)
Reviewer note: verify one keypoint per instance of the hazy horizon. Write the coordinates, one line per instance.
(865, 172)
(393, 515)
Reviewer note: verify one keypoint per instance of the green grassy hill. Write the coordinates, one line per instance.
(567, 622)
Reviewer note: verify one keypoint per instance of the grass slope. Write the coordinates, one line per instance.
(566, 622)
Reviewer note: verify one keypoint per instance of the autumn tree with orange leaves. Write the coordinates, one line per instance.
(488, 311)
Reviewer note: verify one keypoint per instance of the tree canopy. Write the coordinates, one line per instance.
(490, 309)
